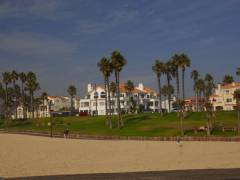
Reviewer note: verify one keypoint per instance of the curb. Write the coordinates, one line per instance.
(136, 138)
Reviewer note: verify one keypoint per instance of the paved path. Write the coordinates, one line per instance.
(216, 174)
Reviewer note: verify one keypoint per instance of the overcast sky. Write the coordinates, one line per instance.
(62, 41)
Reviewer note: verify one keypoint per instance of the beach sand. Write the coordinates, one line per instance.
(23, 155)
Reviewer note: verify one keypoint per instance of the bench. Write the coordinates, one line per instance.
(229, 129)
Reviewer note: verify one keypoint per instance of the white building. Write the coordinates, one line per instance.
(59, 103)
(145, 98)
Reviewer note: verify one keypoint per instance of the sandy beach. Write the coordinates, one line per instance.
(22, 155)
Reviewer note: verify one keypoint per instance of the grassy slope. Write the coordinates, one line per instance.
(135, 125)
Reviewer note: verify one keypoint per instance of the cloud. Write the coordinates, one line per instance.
(50, 10)
(35, 45)
(108, 22)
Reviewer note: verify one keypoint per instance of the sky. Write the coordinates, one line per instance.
(62, 41)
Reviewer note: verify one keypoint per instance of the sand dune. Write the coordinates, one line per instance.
(22, 155)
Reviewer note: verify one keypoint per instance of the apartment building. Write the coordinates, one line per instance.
(146, 99)
(223, 98)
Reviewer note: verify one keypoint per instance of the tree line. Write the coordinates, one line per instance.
(18, 89)
(173, 69)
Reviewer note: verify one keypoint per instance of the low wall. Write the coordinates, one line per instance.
(139, 138)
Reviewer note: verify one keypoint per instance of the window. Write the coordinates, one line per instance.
(94, 103)
(101, 104)
(112, 102)
(95, 95)
(86, 104)
(151, 103)
(148, 96)
(227, 91)
(121, 95)
(103, 94)
(156, 103)
(229, 100)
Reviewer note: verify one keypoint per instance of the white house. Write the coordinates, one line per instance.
(58, 103)
(94, 100)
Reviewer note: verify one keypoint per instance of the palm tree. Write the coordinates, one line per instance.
(6, 80)
(181, 105)
(228, 79)
(37, 103)
(72, 91)
(200, 88)
(23, 79)
(170, 91)
(158, 69)
(14, 77)
(209, 86)
(184, 62)
(129, 87)
(208, 107)
(118, 61)
(113, 90)
(44, 99)
(2, 93)
(105, 68)
(238, 72)
(169, 70)
(195, 76)
(237, 97)
(175, 66)
(32, 85)
(165, 93)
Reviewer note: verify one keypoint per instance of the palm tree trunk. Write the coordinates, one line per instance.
(196, 108)
(183, 83)
(121, 120)
(200, 99)
(22, 101)
(32, 110)
(15, 100)
(118, 99)
(160, 95)
(208, 127)
(238, 118)
(178, 88)
(109, 104)
(165, 103)
(181, 121)
(6, 100)
(71, 106)
(169, 95)
(106, 104)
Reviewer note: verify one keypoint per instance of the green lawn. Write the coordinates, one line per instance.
(135, 125)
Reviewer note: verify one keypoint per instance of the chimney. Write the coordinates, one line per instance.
(89, 88)
(140, 86)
